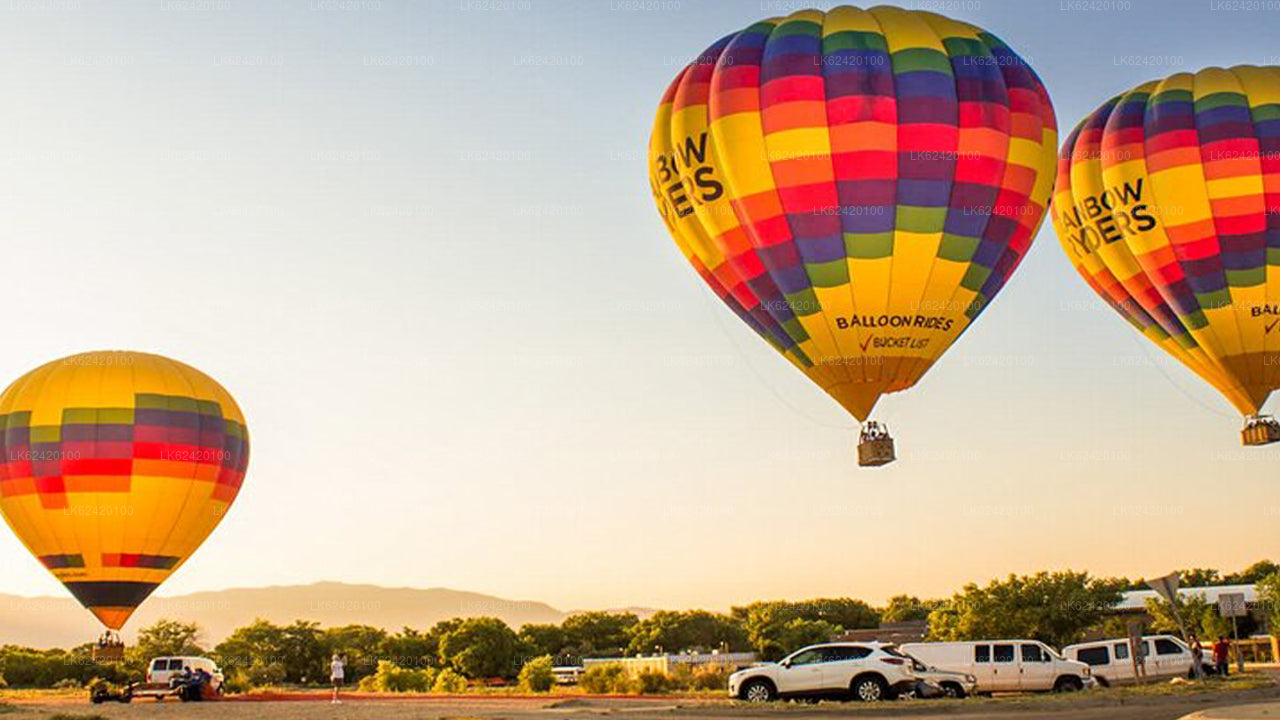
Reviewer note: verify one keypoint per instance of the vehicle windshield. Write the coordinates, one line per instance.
(894, 651)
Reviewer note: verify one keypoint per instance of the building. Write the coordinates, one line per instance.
(671, 663)
(1135, 601)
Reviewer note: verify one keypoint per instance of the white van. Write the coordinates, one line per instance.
(163, 670)
(1006, 665)
(1166, 657)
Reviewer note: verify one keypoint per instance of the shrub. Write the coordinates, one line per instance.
(604, 679)
(393, 678)
(536, 675)
(651, 682)
(711, 678)
(67, 684)
(3, 684)
(448, 681)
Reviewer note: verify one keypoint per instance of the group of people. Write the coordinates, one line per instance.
(1221, 654)
(109, 639)
(193, 685)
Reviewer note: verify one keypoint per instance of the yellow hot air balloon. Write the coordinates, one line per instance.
(117, 465)
(1168, 204)
(857, 185)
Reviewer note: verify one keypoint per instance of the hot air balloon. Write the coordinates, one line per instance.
(857, 186)
(1168, 205)
(117, 466)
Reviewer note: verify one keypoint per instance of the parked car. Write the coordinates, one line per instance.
(567, 674)
(164, 670)
(1165, 656)
(1005, 665)
(936, 682)
(866, 671)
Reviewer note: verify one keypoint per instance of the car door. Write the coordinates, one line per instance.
(803, 672)
(983, 669)
(1150, 667)
(1174, 659)
(1004, 667)
(1035, 667)
(1121, 668)
(841, 664)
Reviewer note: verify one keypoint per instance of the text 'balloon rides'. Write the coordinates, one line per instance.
(857, 186)
(116, 467)
(1168, 204)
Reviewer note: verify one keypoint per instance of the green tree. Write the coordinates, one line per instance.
(598, 634)
(799, 632)
(908, 608)
(1198, 614)
(1199, 577)
(169, 637)
(1269, 597)
(296, 650)
(480, 648)
(361, 645)
(846, 613)
(1052, 607)
(773, 629)
(1255, 573)
(543, 639)
(537, 675)
(410, 648)
(677, 630)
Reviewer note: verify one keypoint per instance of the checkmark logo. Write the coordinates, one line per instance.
(867, 342)
(1271, 326)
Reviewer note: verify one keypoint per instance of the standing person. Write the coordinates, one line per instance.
(1197, 657)
(1221, 655)
(337, 673)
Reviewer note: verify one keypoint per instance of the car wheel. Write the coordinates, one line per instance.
(758, 691)
(870, 688)
(1068, 684)
(952, 690)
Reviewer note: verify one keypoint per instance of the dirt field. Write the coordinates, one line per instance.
(1087, 706)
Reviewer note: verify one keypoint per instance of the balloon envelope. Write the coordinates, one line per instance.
(117, 465)
(856, 185)
(1168, 204)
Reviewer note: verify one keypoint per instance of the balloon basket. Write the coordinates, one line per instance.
(875, 446)
(1260, 430)
(108, 653)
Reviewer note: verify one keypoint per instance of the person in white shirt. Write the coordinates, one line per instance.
(337, 672)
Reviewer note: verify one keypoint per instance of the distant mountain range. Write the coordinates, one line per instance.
(60, 622)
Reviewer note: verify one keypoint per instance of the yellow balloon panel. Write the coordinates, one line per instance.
(117, 466)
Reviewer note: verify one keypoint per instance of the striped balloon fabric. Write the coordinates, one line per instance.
(1168, 204)
(116, 466)
(856, 185)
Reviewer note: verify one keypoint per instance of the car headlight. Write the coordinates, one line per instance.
(1088, 671)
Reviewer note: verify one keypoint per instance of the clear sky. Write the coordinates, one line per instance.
(415, 240)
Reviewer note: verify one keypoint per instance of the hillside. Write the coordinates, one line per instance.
(61, 622)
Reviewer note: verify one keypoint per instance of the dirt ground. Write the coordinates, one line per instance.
(1077, 707)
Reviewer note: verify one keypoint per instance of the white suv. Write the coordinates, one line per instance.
(865, 671)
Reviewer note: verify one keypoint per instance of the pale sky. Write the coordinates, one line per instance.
(415, 241)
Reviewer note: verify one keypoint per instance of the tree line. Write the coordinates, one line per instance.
(1057, 608)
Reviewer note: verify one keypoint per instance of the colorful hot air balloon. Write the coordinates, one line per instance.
(856, 185)
(116, 466)
(1168, 204)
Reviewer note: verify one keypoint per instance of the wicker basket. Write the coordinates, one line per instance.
(108, 653)
(1260, 431)
(872, 453)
